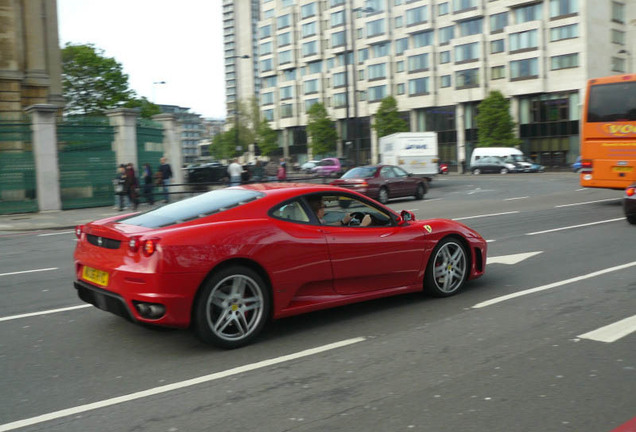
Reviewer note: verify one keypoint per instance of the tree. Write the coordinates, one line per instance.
(321, 130)
(495, 126)
(224, 145)
(267, 138)
(146, 108)
(387, 118)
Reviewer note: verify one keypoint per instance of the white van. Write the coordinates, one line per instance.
(505, 153)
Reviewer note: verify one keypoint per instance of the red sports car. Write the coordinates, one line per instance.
(383, 182)
(226, 262)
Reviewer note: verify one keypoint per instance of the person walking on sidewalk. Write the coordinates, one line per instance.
(234, 171)
(166, 175)
(119, 183)
(131, 185)
(148, 184)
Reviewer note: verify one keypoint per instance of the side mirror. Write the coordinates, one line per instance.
(405, 216)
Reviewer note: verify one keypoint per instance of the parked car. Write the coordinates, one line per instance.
(226, 262)
(629, 204)
(383, 182)
(327, 167)
(492, 164)
(213, 172)
(576, 166)
(308, 166)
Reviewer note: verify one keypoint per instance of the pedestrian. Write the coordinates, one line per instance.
(166, 175)
(234, 171)
(281, 175)
(257, 174)
(119, 184)
(271, 170)
(131, 186)
(148, 184)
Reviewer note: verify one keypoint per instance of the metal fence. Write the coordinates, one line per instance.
(17, 166)
(87, 162)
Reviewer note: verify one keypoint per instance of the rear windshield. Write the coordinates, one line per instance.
(612, 102)
(360, 172)
(193, 208)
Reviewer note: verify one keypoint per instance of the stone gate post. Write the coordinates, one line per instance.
(172, 145)
(124, 120)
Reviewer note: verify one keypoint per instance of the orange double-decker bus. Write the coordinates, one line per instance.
(608, 133)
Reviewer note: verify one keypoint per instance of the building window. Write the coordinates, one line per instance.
(334, 3)
(377, 71)
(467, 78)
(363, 55)
(564, 61)
(497, 46)
(376, 5)
(314, 67)
(311, 86)
(471, 27)
(377, 93)
(284, 39)
(401, 45)
(399, 66)
(381, 49)
(618, 37)
(463, 5)
(418, 63)
(269, 81)
(564, 32)
(446, 34)
(310, 48)
(309, 29)
(309, 103)
(375, 28)
(523, 40)
(444, 57)
(422, 39)
(283, 21)
(361, 75)
(418, 86)
(497, 72)
(498, 22)
(528, 13)
(265, 48)
(618, 12)
(416, 16)
(523, 69)
(339, 100)
(443, 9)
(266, 65)
(339, 79)
(265, 31)
(337, 39)
(289, 75)
(284, 57)
(563, 7)
(337, 18)
(308, 10)
(467, 52)
(445, 81)
(286, 92)
(399, 21)
(618, 65)
(400, 89)
(286, 110)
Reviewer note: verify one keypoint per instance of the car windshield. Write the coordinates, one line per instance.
(193, 208)
(360, 172)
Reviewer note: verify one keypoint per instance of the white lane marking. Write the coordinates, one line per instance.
(516, 198)
(490, 241)
(579, 190)
(485, 215)
(176, 386)
(574, 226)
(587, 202)
(552, 285)
(56, 233)
(511, 259)
(612, 332)
(46, 312)
(29, 271)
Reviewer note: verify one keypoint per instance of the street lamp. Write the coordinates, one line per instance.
(236, 96)
(154, 84)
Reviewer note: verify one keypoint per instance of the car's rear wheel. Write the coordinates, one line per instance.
(476, 171)
(383, 195)
(504, 171)
(447, 268)
(420, 191)
(233, 308)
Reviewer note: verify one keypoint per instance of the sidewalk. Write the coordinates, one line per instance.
(63, 219)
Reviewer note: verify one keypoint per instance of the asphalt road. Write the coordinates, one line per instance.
(480, 361)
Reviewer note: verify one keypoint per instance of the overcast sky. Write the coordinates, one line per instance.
(179, 42)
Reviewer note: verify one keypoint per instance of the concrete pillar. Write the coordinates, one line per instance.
(460, 126)
(286, 138)
(171, 146)
(124, 120)
(47, 171)
(375, 144)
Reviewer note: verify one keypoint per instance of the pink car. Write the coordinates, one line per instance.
(328, 167)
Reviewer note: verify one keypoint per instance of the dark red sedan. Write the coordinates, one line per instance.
(226, 262)
(383, 182)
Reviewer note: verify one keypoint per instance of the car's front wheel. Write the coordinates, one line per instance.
(447, 268)
(504, 171)
(233, 308)
(476, 171)
(383, 195)
(420, 191)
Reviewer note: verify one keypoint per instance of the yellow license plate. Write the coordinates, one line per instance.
(96, 276)
(623, 169)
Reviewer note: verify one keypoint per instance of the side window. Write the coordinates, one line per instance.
(399, 172)
(332, 209)
(387, 172)
(292, 211)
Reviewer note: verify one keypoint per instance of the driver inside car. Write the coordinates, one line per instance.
(318, 207)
